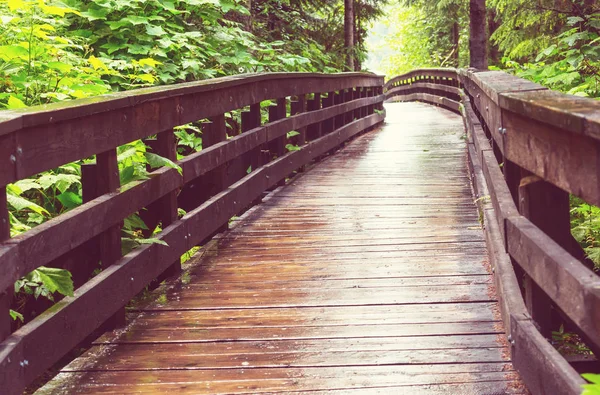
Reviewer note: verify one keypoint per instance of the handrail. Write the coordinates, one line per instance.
(326, 110)
(548, 145)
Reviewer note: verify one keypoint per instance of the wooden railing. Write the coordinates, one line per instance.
(529, 148)
(212, 187)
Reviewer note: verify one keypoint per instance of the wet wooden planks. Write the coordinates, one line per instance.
(365, 275)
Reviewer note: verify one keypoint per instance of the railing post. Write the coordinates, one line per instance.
(328, 125)
(250, 120)
(298, 106)
(357, 94)
(6, 294)
(277, 146)
(348, 96)
(107, 181)
(547, 207)
(165, 208)
(339, 119)
(313, 131)
(364, 110)
(216, 132)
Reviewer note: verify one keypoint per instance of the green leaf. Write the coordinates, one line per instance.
(155, 30)
(16, 315)
(152, 241)
(592, 378)
(149, 62)
(15, 102)
(60, 66)
(8, 52)
(27, 184)
(156, 161)
(70, 200)
(134, 222)
(292, 134)
(573, 20)
(97, 64)
(56, 280)
(19, 204)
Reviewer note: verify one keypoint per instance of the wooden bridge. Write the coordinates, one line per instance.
(426, 251)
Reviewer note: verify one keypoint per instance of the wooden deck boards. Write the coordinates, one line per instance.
(365, 275)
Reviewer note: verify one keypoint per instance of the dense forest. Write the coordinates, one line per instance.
(54, 51)
(554, 43)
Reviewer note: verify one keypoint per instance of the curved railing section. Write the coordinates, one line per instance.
(529, 148)
(211, 185)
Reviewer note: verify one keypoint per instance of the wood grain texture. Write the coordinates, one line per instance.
(353, 278)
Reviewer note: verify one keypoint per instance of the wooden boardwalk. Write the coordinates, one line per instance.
(367, 274)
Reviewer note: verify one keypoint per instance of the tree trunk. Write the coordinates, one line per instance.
(455, 43)
(357, 36)
(478, 38)
(248, 18)
(494, 51)
(349, 33)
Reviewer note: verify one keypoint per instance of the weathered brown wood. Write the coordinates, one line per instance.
(548, 265)
(357, 94)
(216, 132)
(299, 106)
(571, 113)
(82, 129)
(6, 295)
(31, 249)
(338, 99)
(348, 96)
(544, 370)
(564, 159)
(333, 311)
(404, 78)
(199, 163)
(121, 281)
(485, 378)
(277, 146)
(166, 207)
(509, 292)
(109, 241)
(328, 125)
(500, 196)
(313, 131)
(433, 88)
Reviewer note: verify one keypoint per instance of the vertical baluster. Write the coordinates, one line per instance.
(363, 94)
(328, 125)
(371, 107)
(109, 241)
(357, 95)
(547, 207)
(313, 131)
(250, 120)
(216, 132)
(166, 207)
(5, 295)
(339, 119)
(348, 96)
(277, 112)
(297, 107)
(277, 146)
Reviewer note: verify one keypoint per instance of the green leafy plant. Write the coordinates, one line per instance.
(43, 281)
(594, 387)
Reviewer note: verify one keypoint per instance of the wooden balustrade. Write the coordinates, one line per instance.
(213, 185)
(528, 149)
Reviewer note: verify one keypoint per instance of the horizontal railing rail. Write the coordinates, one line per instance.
(529, 148)
(231, 172)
